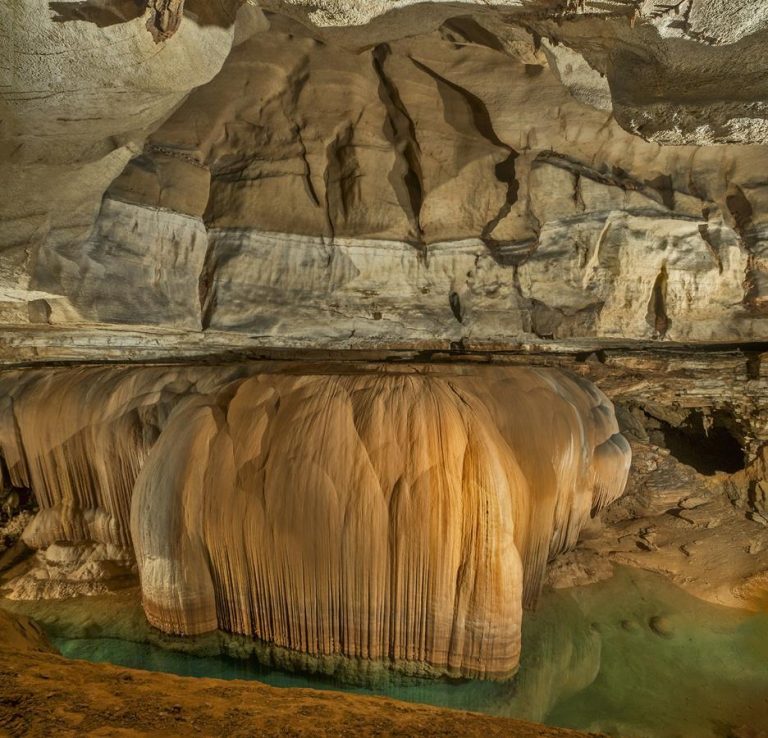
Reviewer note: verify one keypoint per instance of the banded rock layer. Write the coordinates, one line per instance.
(398, 515)
(376, 174)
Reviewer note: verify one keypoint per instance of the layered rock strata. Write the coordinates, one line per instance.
(359, 175)
(399, 515)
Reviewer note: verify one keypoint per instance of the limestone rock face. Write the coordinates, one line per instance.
(399, 514)
(357, 174)
(499, 216)
(64, 570)
(81, 86)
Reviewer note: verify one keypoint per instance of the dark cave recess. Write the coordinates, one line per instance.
(709, 442)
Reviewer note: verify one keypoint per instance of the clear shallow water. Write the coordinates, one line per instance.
(633, 656)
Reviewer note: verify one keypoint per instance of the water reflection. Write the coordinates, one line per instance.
(632, 656)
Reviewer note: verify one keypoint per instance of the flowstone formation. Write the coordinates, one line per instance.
(395, 515)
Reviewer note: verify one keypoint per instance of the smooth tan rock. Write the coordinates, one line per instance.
(662, 626)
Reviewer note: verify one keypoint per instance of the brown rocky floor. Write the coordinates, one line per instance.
(43, 694)
(679, 524)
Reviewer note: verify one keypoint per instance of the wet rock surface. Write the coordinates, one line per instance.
(573, 185)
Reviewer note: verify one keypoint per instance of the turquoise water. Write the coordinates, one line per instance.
(632, 656)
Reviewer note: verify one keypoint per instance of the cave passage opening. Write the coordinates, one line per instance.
(706, 442)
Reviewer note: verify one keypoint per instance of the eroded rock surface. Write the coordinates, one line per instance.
(693, 507)
(345, 182)
(190, 178)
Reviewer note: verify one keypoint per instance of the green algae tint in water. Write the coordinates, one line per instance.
(632, 656)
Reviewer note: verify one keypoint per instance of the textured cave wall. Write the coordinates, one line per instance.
(431, 188)
(403, 515)
(357, 175)
(81, 86)
(79, 443)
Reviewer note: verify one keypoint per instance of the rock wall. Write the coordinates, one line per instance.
(185, 178)
(81, 86)
(357, 175)
(401, 515)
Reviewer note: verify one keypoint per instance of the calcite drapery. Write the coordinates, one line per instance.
(400, 514)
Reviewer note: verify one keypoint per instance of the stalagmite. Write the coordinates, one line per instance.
(396, 514)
